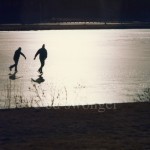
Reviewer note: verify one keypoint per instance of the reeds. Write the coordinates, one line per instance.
(35, 96)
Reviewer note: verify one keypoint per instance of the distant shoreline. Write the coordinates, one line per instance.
(73, 25)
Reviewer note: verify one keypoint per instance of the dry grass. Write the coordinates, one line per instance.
(123, 128)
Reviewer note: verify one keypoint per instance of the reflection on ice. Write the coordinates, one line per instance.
(13, 76)
(39, 80)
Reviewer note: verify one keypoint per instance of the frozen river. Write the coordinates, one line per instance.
(83, 67)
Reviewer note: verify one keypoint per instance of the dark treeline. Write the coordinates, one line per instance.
(35, 11)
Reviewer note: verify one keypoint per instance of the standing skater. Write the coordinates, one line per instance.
(42, 56)
(16, 59)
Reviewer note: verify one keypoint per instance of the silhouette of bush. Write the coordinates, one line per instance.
(144, 96)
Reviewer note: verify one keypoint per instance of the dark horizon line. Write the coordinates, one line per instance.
(65, 26)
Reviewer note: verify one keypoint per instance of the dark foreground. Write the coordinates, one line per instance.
(117, 127)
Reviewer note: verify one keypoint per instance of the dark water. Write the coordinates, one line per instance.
(83, 67)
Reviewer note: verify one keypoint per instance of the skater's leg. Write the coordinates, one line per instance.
(12, 66)
(16, 64)
(42, 65)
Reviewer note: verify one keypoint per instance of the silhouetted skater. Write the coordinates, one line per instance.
(16, 58)
(42, 56)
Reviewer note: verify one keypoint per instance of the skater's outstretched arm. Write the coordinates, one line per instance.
(23, 55)
(36, 54)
